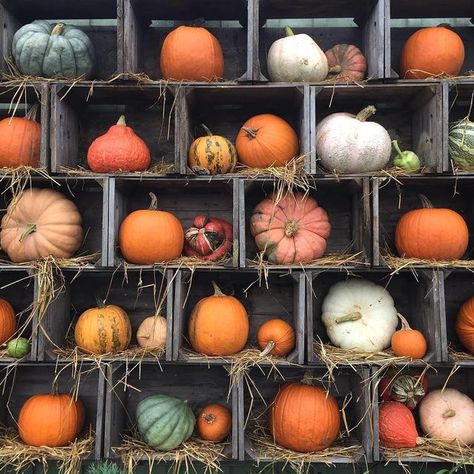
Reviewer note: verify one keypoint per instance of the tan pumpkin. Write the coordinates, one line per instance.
(152, 332)
(40, 223)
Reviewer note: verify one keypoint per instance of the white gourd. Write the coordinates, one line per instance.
(359, 315)
(152, 332)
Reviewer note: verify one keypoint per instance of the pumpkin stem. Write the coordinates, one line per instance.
(307, 378)
(58, 29)
(217, 290)
(29, 229)
(251, 132)
(349, 317)
(449, 413)
(288, 31)
(154, 202)
(31, 115)
(100, 302)
(366, 113)
(209, 417)
(121, 121)
(397, 148)
(209, 133)
(335, 69)
(405, 323)
(268, 348)
(425, 202)
(291, 228)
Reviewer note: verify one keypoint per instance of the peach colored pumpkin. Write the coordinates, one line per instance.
(152, 332)
(292, 230)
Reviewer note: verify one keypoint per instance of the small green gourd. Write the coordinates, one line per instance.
(406, 160)
(18, 347)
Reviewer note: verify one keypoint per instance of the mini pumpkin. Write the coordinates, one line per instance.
(152, 332)
(214, 423)
(7, 321)
(465, 325)
(346, 63)
(403, 386)
(276, 337)
(408, 342)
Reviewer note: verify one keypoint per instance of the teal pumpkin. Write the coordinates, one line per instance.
(164, 422)
(39, 49)
(18, 347)
(461, 144)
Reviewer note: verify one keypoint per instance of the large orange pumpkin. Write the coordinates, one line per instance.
(50, 420)
(266, 140)
(103, 329)
(214, 422)
(304, 418)
(41, 222)
(7, 321)
(465, 325)
(432, 52)
(291, 230)
(191, 54)
(431, 234)
(218, 325)
(151, 236)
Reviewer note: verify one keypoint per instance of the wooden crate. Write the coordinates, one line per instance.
(346, 382)
(225, 109)
(184, 198)
(146, 24)
(419, 10)
(30, 379)
(283, 299)
(139, 293)
(417, 297)
(346, 201)
(83, 113)
(391, 199)
(107, 40)
(366, 31)
(199, 386)
(411, 113)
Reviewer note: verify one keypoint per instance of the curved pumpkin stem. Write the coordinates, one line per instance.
(268, 348)
(30, 229)
(209, 133)
(335, 69)
(307, 378)
(449, 413)
(349, 317)
(425, 202)
(403, 320)
(31, 114)
(100, 302)
(58, 29)
(217, 290)
(154, 202)
(251, 132)
(121, 121)
(288, 31)
(366, 113)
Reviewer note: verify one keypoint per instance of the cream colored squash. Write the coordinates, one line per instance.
(152, 332)
(448, 415)
(296, 58)
(359, 315)
(347, 143)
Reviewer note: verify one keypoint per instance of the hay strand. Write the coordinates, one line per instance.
(398, 263)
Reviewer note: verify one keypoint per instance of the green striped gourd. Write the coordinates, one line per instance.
(164, 422)
(461, 144)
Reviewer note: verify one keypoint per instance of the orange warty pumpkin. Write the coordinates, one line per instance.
(397, 428)
(276, 337)
(103, 329)
(50, 420)
(431, 234)
(20, 141)
(120, 149)
(7, 321)
(292, 230)
(408, 342)
(218, 325)
(432, 52)
(191, 53)
(151, 236)
(266, 140)
(304, 418)
(214, 422)
(465, 325)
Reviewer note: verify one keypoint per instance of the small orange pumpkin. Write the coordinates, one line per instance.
(7, 321)
(50, 420)
(465, 325)
(214, 422)
(218, 325)
(431, 234)
(266, 140)
(276, 337)
(346, 63)
(408, 342)
(151, 236)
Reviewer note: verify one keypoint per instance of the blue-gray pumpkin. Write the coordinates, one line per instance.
(41, 49)
(164, 422)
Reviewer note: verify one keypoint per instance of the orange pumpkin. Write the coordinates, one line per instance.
(20, 141)
(465, 325)
(276, 337)
(191, 54)
(102, 330)
(218, 325)
(304, 418)
(151, 236)
(346, 63)
(431, 234)
(50, 420)
(214, 422)
(7, 321)
(408, 342)
(266, 140)
(432, 52)
(292, 230)
(120, 149)
(41, 222)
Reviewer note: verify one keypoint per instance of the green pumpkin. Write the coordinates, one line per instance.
(164, 422)
(39, 49)
(18, 347)
(461, 144)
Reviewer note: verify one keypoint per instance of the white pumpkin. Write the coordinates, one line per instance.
(359, 315)
(152, 332)
(448, 415)
(347, 143)
(296, 58)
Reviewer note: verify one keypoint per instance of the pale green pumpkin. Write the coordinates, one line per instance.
(461, 144)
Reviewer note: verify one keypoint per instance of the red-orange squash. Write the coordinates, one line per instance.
(119, 149)
(397, 428)
(50, 420)
(276, 337)
(266, 140)
(465, 325)
(346, 63)
(432, 51)
(7, 321)
(214, 422)
(191, 53)
(304, 418)
(292, 230)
